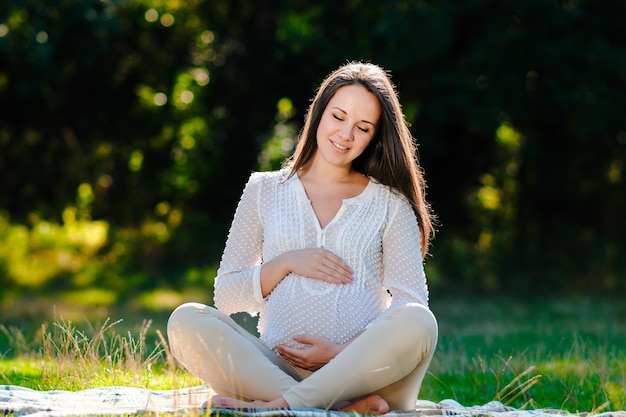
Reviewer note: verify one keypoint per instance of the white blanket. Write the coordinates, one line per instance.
(111, 401)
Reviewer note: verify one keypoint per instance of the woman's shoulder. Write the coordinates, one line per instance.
(395, 199)
(265, 182)
(268, 176)
(387, 190)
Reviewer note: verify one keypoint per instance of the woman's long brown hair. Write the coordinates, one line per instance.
(391, 157)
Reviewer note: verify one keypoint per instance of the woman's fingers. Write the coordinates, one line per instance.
(335, 268)
(319, 263)
(332, 273)
(338, 264)
(317, 354)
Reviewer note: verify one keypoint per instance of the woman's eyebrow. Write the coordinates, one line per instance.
(344, 112)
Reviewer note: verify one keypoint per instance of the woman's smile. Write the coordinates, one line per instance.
(338, 146)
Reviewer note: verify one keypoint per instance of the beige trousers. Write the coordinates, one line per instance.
(389, 358)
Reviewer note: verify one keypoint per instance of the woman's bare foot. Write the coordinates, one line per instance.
(223, 401)
(373, 404)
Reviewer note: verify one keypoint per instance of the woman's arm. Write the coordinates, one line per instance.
(242, 256)
(403, 268)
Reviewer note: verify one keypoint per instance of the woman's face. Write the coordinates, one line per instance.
(348, 124)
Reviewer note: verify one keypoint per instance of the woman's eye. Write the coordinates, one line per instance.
(364, 129)
(337, 117)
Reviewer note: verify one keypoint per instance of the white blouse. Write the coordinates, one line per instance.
(376, 233)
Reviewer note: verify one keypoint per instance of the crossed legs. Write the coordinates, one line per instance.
(382, 369)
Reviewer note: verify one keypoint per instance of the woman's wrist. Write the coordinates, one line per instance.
(272, 273)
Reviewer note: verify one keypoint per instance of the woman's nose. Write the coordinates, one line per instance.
(345, 132)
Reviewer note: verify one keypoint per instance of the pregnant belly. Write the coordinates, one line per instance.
(329, 311)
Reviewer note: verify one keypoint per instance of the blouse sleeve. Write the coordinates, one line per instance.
(237, 285)
(403, 270)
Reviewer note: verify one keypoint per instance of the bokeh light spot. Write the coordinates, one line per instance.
(207, 37)
(167, 20)
(188, 142)
(284, 107)
(105, 181)
(160, 99)
(186, 97)
(42, 37)
(136, 161)
(162, 208)
(151, 15)
(201, 75)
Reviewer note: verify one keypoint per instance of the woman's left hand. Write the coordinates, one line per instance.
(318, 354)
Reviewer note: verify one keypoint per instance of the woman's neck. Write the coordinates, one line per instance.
(321, 172)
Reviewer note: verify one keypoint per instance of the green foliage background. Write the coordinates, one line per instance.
(128, 128)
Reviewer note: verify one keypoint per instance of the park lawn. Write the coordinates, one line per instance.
(547, 353)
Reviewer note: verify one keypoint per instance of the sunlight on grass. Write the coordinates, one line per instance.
(615, 393)
(161, 299)
(19, 369)
(545, 354)
(91, 297)
(73, 359)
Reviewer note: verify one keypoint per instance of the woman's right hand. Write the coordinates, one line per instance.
(318, 263)
(315, 263)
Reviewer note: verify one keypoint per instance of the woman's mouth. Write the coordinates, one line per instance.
(338, 146)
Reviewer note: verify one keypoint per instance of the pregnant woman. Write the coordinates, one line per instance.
(328, 251)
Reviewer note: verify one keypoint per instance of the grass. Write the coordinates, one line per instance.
(74, 359)
(552, 353)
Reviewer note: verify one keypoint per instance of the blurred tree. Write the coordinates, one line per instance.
(163, 108)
